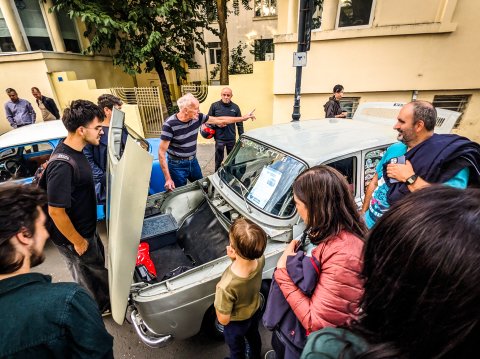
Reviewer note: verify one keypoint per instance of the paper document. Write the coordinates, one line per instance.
(265, 186)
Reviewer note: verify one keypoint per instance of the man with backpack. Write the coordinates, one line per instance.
(72, 202)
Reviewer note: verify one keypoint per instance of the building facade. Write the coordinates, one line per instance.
(255, 28)
(383, 50)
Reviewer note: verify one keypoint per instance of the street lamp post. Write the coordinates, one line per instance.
(300, 57)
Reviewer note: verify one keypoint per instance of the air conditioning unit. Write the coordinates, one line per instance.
(269, 56)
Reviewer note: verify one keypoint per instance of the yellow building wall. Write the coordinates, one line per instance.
(311, 105)
(25, 70)
(70, 89)
(389, 58)
(431, 46)
(250, 91)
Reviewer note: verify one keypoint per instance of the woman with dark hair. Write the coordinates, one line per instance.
(422, 275)
(333, 238)
(332, 106)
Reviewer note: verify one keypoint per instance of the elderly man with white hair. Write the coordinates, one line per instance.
(179, 140)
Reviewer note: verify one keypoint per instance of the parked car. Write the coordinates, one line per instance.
(24, 149)
(187, 229)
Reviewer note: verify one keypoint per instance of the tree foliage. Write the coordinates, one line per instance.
(143, 35)
(219, 7)
(238, 64)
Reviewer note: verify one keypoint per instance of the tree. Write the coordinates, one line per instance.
(143, 35)
(220, 8)
(238, 64)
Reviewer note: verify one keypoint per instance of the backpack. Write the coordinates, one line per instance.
(39, 178)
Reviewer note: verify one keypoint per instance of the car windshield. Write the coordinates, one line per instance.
(262, 176)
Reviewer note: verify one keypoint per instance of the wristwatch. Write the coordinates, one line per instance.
(411, 180)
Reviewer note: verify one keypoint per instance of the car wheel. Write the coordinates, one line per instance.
(210, 325)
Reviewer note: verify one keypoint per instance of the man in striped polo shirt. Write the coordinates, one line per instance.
(179, 140)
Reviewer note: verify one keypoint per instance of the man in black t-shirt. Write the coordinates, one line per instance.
(225, 136)
(72, 202)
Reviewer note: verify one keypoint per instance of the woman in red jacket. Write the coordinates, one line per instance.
(334, 236)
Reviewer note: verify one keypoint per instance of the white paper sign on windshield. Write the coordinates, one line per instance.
(265, 186)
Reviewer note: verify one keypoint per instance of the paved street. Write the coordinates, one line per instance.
(126, 342)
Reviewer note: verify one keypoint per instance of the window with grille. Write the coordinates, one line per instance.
(215, 52)
(355, 13)
(452, 102)
(317, 14)
(350, 105)
(263, 49)
(265, 8)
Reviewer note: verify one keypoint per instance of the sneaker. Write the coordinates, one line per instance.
(270, 354)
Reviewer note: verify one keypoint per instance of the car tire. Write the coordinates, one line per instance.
(210, 325)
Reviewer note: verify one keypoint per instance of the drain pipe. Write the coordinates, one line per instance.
(300, 57)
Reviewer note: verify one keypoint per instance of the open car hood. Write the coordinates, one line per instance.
(127, 191)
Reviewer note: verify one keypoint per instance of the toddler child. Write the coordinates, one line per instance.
(237, 297)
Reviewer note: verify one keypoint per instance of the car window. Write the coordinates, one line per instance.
(262, 176)
(371, 160)
(19, 163)
(8, 152)
(347, 167)
(39, 147)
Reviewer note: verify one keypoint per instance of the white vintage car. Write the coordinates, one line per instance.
(187, 229)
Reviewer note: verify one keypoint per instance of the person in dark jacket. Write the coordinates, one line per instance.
(97, 155)
(46, 105)
(421, 283)
(40, 319)
(225, 136)
(332, 106)
(419, 159)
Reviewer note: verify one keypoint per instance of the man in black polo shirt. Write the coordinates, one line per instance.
(179, 140)
(225, 136)
(72, 202)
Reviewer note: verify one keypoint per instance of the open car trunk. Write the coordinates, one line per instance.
(200, 239)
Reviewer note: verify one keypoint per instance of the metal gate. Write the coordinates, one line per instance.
(149, 105)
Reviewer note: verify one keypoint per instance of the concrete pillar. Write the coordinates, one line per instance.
(84, 41)
(14, 25)
(292, 18)
(329, 14)
(52, 23)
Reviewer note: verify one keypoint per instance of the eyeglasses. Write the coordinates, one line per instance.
(96, 128)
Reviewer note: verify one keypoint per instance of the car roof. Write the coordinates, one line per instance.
(317, 141)
(37, 132)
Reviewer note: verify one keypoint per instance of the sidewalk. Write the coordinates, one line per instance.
(206, 157)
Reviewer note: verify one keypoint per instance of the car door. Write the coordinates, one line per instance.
(127, 191)
(348, 166)
(370, 159)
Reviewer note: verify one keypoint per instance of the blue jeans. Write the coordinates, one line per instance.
(183, 170)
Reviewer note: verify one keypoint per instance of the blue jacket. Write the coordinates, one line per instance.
(41, 319)
(438, 159)
(97, 157)
(278, 315)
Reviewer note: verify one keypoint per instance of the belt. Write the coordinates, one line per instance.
(173, 157)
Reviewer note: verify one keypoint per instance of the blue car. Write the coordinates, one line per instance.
(24, 149)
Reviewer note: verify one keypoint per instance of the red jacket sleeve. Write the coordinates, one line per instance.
(335, 299)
